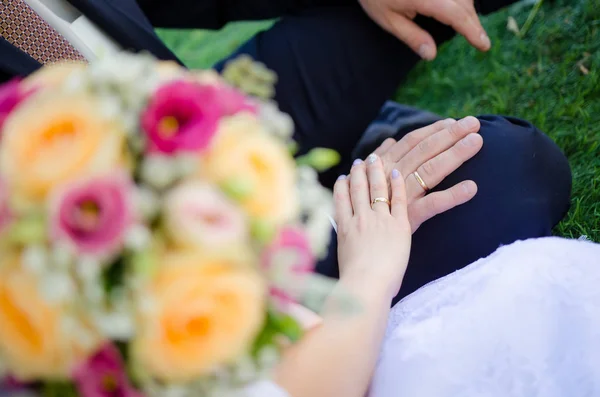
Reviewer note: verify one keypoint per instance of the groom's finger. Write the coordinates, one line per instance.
(413, 139)
(411, 34)
(438, 168)
(438, 143)
(464, 20)
(399, 200)
(385, 146)
(436, 203)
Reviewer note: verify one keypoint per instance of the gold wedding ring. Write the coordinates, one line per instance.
(421, 181)
(381, 200)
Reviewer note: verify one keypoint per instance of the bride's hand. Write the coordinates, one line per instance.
(434, 152)
(373, 237)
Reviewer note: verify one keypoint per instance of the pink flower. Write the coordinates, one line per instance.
(196, 214)
(182, 116)
(93, 215)
(11, 383)
(11, 95)
(233, 101)
(294, 243)
(103, 375)
(5, 214)
(292, 250)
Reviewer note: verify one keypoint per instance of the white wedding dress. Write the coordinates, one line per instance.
(524, 322)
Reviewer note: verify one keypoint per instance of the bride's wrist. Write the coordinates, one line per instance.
(370, 286)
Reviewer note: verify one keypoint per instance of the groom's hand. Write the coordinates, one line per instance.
(434, 152)
(396, 16)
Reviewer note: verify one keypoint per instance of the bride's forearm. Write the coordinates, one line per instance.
(338, 357)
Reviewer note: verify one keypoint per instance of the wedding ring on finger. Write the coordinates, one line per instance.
(421, 181)
(381, 200)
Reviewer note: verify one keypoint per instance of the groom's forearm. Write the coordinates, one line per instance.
(214, 14)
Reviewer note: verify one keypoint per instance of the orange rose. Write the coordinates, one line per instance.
(203, 313)
(242, 152)
(51, 139)
(33, 341)
(52, 76)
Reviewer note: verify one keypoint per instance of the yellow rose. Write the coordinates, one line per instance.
(244, 153)
(52, 76)
(51, 139)
(33, 341)
(203, 313)
(170, 70)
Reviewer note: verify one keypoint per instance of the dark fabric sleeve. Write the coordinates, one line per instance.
(214, 14)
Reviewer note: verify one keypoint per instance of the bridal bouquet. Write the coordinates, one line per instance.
(153, 227)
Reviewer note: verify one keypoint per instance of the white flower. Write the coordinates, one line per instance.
(138, 238)
(317, 207)
(76, 81)
(268, 357)
(146, 202)
(185, 165)
(88, 268)
(307, 175)
(57, 287)
(158, 171)
(117, 325)
(245, 370)
(278, 123)
(94, 293)
(318, 230)
(35, 259)
(109, 107)
(62, 255)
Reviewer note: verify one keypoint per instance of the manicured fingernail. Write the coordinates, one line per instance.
(485, 41)
(372, 158)
(342, 177)
(426, 52)
(357, 162)
(468, 122)
(471, 140)
(395, 174)
(469, 187)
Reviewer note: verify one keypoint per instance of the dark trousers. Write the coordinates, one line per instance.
(337, 68)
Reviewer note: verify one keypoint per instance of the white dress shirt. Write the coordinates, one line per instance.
(75, 27)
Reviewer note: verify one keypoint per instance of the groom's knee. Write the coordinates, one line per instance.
(535, 170)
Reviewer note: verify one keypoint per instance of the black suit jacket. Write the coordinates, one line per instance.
(132, 23)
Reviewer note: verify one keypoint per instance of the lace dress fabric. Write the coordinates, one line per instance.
(524, 322)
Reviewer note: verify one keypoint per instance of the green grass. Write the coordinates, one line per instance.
(550, 76)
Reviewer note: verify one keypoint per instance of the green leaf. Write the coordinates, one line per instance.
(263, 231)
(320, 159)
(293, 147)
(288, 326)
(143, 263)
(114, 275)
(277, 325)
(27, 231)
(237, 189)
(267, 336)
(59, 389)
